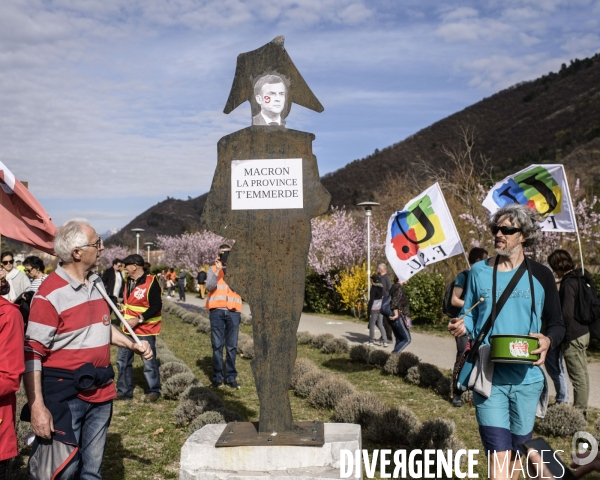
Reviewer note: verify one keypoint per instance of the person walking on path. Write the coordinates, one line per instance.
(201, 278)
(170, 278)
(506, 406)
(373, 311)
(12, 366)
(458, 293)
(142, 299)
(225, 307)
(577, 337)
(68, 338)
(400, 321)
(181, 283)
(16, 278)
(386, 283)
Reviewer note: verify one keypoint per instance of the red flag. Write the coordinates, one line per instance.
(22, 217)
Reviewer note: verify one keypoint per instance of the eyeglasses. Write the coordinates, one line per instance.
(6, 262)
(505, 230)
(96, 244)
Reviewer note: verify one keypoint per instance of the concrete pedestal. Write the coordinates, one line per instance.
(200, 460)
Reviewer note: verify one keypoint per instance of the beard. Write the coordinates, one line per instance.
(507, 252)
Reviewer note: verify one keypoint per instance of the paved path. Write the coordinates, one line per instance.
(440, 351)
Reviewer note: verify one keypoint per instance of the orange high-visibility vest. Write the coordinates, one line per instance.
(138, 302)
(223, 296)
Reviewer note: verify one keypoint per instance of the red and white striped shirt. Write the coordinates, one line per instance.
(69, 326)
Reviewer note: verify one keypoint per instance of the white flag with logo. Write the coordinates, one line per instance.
(420, 234)
(541, 187)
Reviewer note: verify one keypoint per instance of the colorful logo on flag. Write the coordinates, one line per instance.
(535, 188)
(416, 228)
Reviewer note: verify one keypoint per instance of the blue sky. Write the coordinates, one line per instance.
(107, 108)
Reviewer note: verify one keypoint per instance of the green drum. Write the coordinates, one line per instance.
(514, 348)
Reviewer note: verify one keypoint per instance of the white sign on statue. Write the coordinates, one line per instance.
(266, 184)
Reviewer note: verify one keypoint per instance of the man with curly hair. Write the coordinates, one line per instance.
(506, 413)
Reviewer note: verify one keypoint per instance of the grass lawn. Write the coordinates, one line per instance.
(143, 442)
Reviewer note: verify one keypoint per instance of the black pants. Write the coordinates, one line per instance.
(181, 286)
(3, 466)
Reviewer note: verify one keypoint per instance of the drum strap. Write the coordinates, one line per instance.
(497, 306)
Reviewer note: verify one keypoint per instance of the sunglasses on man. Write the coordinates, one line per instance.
(506, 230)
(6, 262)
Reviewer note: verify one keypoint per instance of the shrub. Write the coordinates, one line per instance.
(361, 353)
(188, 317)
(205, 419)
(304, 338)
(394, 426)
(359, 408)
(329, 391)
(175, 385)
(405, 361)
(306, 382)
(186, 411)
(425, 292)
(561, 420)
(319, 340)
(391, 366)
(249, 350)
(301, 367)
(167, 370)
(467, 397)
(203, 326)
(378, 357)
(429, 374)
(597, 430)
(167, 358)
(444, 386)
(230, 415)
(246, 319)
(161, 346)
(335, 345)
(413, 376)
(317, 297)
(434, 434)
(202, 396)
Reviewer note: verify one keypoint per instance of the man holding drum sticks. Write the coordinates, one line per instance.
(506, 406)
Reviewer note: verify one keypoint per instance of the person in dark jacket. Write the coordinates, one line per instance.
(201, 278)
(577, 336)
(112, 278)
(401, 321)
(375, 316)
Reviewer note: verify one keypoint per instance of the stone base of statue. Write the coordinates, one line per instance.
(201, 460)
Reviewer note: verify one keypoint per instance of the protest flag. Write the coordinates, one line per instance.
(543, 188)
(420, 234)
(22, 217)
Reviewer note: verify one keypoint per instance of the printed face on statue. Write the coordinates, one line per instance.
(271, 98)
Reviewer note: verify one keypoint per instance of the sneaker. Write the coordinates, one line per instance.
(216, 384)
(369, 343)
(169, 296)
(233, 385)
(384, 344)
(457, 401)
(151, 397)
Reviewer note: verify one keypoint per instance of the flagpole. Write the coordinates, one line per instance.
(574, 219)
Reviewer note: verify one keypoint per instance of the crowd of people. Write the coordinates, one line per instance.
(69, 333)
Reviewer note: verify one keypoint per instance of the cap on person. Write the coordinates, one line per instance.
(133, 259)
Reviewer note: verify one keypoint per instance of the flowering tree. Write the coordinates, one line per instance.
(109, 254)
(339, 242)
(190, 250)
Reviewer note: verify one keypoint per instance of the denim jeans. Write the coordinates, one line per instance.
(181, 287)
(224, 328)
(556, 370)
(124, 364)
(402, 334)
(90, 422)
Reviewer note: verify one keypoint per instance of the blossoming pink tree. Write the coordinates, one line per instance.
(339, 242)
(190, 250)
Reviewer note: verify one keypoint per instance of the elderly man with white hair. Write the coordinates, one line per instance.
(68, 374)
